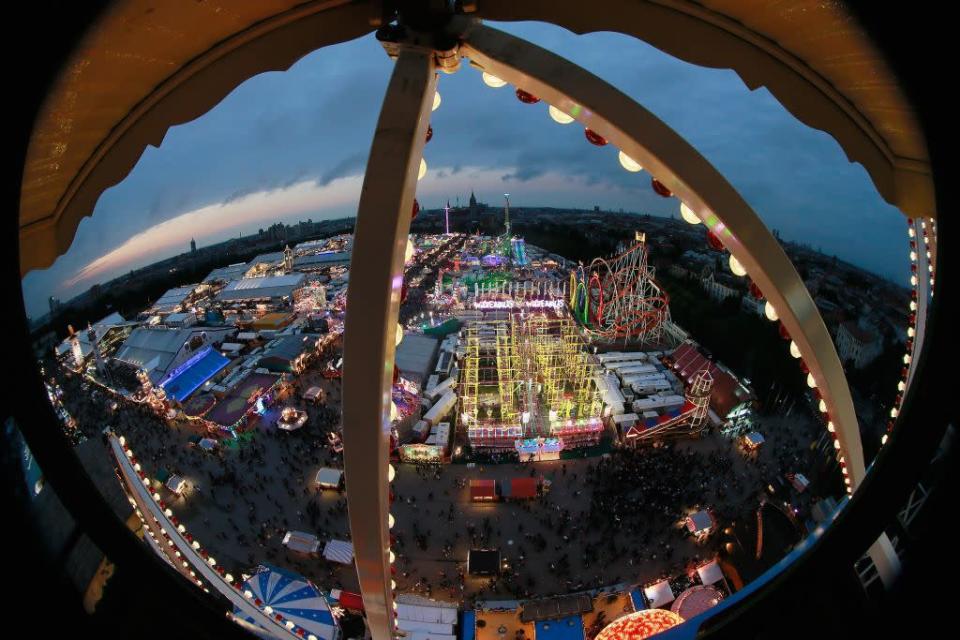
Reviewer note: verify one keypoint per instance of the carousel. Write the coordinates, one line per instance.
(640, 625)
(291, 419)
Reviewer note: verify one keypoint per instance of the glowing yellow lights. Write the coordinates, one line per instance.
(212, 562)
(811, 381)
(493, 81)
(409, 251)
(436, 101)
(228, 577)
(690, 216)
(911, 332)
(770, 312)
(395, 607)
(901, 385)
(559, 116)
(830, 427)
(847, 481)
(911, 232)
(268, 609)
(391, 473)
(883, 439)
(913, 280)
(393, 558)
(390, 520)
(737, 268)
(913, 305)
(122, 440)
(399, 335)
(906, 358)
(823, 406)
(423, 169)
(393, 584)
(794, 349)
(629, 163)
(913, 256)
(894, 413)
(195, 545)
(836, 444)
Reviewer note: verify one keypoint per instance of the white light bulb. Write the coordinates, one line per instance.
(811, 381)
(559, 116)
(830, 427)
(911, 232)
(836, 444)
(629, 163)
(883, 439)
(770, 312)
(390, 520)
(823, 406)
(399, 335)
(738, 269)
(688, 214)
(913, 256)
(911, 332)
(493, 81)
(436, 101)
(391, 473)
(906, 358)
(423, 169)
(794, 349)
(894, 413)
(913, 305)
(393, 558)
(913, 280)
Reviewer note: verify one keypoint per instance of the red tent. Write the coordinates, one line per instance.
(351, 601)
(483, 489)
(523, 487)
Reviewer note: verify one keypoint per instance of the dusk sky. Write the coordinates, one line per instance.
(287, 146)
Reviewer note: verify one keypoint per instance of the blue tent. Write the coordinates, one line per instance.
(188, 377)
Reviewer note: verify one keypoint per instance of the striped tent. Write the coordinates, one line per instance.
(293, 597)
(339, 551)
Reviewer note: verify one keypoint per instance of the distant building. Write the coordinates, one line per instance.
(716, 288)
(858, 344)
(193, 245)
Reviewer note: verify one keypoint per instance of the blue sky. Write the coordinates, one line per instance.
(292, 145)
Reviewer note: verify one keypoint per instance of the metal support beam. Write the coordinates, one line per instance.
(674, 162)
(373, 301)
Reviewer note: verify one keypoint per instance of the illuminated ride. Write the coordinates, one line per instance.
(640, 625)
(618, 298)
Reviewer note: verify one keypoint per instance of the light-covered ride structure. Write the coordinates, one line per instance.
(617, 298)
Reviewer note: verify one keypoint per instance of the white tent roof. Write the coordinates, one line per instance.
(430, 628)
(710, 573)
(301, 541)
(659, 594)
(422, 613)
(329, 476)
(339, 551)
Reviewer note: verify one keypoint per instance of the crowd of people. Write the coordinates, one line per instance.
(615, 518)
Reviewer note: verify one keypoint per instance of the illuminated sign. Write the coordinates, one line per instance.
(513, 304)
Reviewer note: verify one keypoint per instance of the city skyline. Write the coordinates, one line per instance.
(313, 124)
